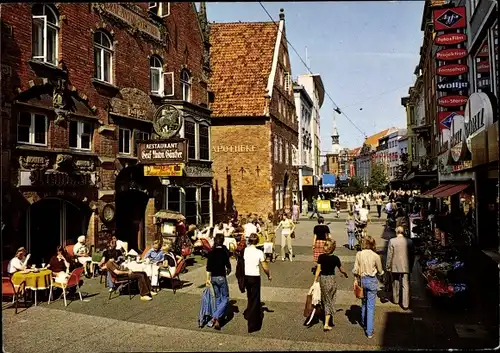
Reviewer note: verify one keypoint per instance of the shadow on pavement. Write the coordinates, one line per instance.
(230, 311)
(353, 314)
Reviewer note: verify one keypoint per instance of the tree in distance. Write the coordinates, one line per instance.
(378, 177)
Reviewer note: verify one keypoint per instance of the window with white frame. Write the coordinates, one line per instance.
(80, 134)
(205, 192)
(275, 149)
(190, 135)
(103, 57)
(186, 86)
(204, 141)
(156, 75)
(32, 128)
(191, 205)
(280, 151)
(124, 138)
(45, 33)
(160, 9)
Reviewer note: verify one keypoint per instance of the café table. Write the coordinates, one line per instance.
(151, 270)
(38, 279)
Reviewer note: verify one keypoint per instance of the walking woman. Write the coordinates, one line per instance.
(327, 262)
(321, 234)
(287, 229)
(378, 202)
(366, 268)
(218, 267)
(295, 212)
(254, 260)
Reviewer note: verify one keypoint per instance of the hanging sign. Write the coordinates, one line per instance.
(451, 18)
(451, 54)
(452, 70)
(452, 101)
(483, 67)
(452, 86)
(450, 39)
(168, 170)
(457, 141)
(479, 114)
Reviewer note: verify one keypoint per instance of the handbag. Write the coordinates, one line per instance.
(292, 235)
(358, 291)
(308, 308)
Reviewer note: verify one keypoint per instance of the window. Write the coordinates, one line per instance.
(156, 75)
(140, 136)
(205, 203)
(160, 9)
(275, 149)
(103, 57)
(286, 153)
(173, 199)
(280, 151)
(186, 86)
(497, 67)
(190, 135)
(32, 129)
(191, 206)
(124, 141)
(45, 34)
(288, 82)
(80, 134)
(204, 142)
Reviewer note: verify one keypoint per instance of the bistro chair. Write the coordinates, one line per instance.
(120, 282)
(73, 281)
(165, 273)
(5, 267)
(9, 290)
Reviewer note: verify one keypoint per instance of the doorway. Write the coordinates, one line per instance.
(51, 222)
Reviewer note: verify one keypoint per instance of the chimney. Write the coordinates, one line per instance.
(282, 15)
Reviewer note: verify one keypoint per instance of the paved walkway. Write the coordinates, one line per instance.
(169, 322)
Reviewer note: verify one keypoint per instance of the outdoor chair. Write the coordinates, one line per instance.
(165, 273)
(73, 281)
(120, 282)
(5, 266)
(9, 290)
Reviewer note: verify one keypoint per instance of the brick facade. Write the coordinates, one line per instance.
(31, 86)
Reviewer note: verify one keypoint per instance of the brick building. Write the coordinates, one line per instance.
(80, 87)
(254, 123)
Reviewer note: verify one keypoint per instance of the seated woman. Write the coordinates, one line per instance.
(19, 262)
(155, 254)
(170, 262)
(59, 265)
(81, 252)
(191, 233)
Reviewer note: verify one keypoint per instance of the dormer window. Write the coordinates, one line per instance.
(160, 9)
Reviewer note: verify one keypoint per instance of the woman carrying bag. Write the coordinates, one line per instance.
(327, 262)
(366, 268)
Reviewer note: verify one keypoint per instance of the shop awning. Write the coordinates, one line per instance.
(437, 189)
(455, 189)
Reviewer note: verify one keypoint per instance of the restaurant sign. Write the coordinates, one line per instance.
(162, 151)
(167, 170)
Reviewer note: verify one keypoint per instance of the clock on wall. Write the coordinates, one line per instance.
(108, 213)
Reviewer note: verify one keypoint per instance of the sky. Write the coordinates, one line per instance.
(365, 52)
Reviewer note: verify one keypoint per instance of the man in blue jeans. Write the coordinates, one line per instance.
(218, 267)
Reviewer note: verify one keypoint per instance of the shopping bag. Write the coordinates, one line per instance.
(358, 291)
(268, 248)
(308, 309)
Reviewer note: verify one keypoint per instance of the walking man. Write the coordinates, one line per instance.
(315, 209)
(400, 258)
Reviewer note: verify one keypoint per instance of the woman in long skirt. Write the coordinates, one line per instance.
(327, 262)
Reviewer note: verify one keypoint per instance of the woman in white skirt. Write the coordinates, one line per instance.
(82, 252)
(287, 229)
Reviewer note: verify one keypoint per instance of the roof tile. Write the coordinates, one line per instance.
(241, 60)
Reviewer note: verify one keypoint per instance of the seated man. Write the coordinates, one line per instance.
(155, 254)
(110, 253)
(141, 277)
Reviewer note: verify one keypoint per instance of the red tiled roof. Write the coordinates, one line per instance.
(373, 139)
(241, 61)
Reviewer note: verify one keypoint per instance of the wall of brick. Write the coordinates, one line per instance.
(248, 191)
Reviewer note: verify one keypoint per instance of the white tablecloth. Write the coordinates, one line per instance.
(150, 269)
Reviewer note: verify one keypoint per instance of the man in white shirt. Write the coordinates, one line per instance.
(249, 228)
(18, 262)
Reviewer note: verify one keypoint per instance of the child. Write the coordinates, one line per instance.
(350, 227)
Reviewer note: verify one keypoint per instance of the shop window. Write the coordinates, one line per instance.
(190, 135)
(45, 33)
(103, 57)
(156, 75)
(80, 135)
(124, 141)
(204, 141)
(191, 205)
(32, 129)
(205, 204)
(173, 199)
(186, 86)
(482, 68)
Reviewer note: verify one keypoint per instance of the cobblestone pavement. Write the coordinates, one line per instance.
(169, 322)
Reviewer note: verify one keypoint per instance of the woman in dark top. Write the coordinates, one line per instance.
(327, 262)
(59, 263)
(218, 267)
(321, 233)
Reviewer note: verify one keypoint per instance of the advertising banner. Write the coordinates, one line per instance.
(307, 180)
(329, 180)
(447, 19)
(168, 170)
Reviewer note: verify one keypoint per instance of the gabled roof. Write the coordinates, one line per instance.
(373, 139)
(355, 152)
(241, 62)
